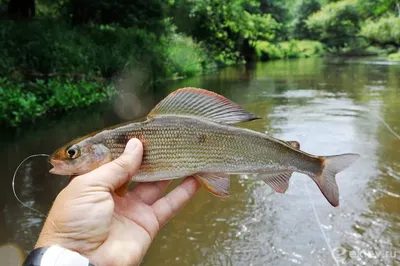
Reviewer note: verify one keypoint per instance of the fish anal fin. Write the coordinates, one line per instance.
(202, 103)
(278, 181)
(122, 190)
(216, 183)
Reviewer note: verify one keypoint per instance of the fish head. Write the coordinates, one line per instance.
(79, 157)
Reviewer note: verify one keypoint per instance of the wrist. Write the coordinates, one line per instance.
(54, 256)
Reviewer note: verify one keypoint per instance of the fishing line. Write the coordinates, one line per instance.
(15, 194)
(320, 224)
(387, 126)
(317, 217)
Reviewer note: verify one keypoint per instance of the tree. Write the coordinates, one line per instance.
(336, 24)
(376, 8)
(144, 14)
(279, 12)
(226, 27)
(383, 31)
(303, 11)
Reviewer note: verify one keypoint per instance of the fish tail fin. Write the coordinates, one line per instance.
(325, 179)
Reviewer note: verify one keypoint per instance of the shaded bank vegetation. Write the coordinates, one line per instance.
(61, 55)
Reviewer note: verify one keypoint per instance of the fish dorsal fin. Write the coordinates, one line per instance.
(216, 183)
(202, 103)
(294, 144)
(278, 181)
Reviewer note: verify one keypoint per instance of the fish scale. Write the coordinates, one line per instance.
(177, 146)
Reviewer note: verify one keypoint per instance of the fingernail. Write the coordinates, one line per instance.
(131, 146)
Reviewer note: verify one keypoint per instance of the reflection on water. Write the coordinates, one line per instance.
(329, 106)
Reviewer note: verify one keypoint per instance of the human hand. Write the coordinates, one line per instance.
(89, 218)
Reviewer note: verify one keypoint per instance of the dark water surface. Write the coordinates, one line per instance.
(329, 106)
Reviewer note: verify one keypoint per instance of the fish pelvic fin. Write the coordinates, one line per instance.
(278, 181)
(202, 103)
(216, 183)
(331, 165)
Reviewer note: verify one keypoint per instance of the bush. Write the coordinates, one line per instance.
(394, 56)
(385, 30)
(21, 102)
(78, 55)
(336, 24)
(225, 28)
(16, 105)
(303, 10)
(186, 58)
(292, 49)
(56, 48)
(267, 51)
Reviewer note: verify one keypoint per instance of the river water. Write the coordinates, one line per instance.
(330, 106)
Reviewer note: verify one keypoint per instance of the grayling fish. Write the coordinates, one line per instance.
(189, 133)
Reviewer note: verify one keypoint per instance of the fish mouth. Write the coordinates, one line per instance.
(58, 167)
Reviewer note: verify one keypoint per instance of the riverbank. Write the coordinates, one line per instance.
(57, 56)
(62, 67)
(24, 101)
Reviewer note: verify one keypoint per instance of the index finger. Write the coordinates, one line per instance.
(166, 207)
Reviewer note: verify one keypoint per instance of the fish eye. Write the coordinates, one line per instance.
(73, 152)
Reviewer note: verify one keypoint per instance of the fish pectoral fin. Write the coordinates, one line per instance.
(216, 183)
(278, 181)
(122, 190)
(202, 103)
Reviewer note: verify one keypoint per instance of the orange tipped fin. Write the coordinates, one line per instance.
(218, 184)
(202, 103)
(122, 190)
(278, 181)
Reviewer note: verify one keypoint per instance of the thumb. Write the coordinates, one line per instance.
(116, 173)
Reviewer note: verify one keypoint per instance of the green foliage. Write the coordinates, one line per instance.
(226, 28)
(376, 8)
(336, 24)
(25, 102)
(51, 47)
(186, 58)
(71, 43)
(16, 105)
(139, 14)
(394, 56)
(359, 51)
(385, 30)
(304, 9)
(267, 51)
(279, 10)
(67, 95)
(291, 49)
